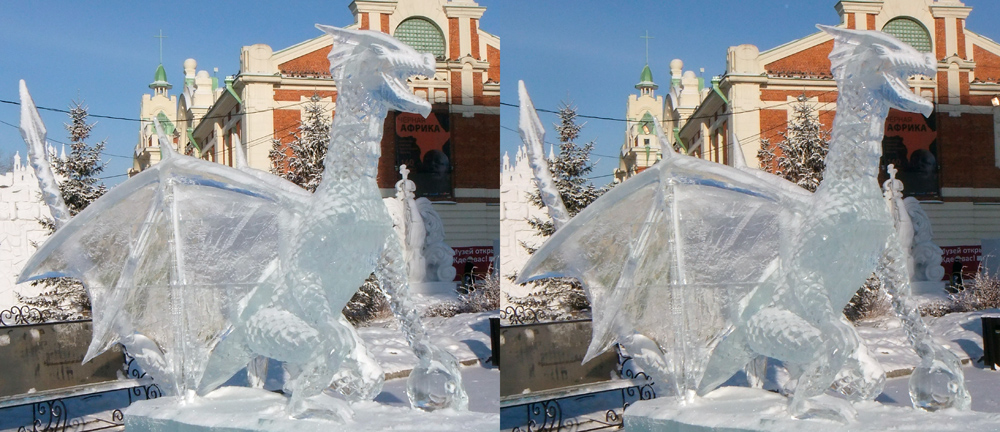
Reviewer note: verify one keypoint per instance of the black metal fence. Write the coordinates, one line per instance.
(78, 408)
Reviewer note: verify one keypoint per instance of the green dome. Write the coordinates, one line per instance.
(646, 79)
(160, 79)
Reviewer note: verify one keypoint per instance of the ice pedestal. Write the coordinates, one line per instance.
(241, 409)
(732, 409)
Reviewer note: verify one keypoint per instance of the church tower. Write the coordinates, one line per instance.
(642, 147)
(163, 107)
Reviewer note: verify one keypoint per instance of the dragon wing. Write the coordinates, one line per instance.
(170, 255)
(685, 235)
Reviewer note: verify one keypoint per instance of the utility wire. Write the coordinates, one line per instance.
(688, 119)
(141, 120)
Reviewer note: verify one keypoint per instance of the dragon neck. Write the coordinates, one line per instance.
(355, 140)
(856, 142)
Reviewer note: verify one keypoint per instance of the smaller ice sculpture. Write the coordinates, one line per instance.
(428, 257)
(892, 189)
(199, 268)
(913, 227)
(698, 269)
(926, 255)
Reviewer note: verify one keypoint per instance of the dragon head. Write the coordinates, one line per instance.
(882, 63)
(387, 63)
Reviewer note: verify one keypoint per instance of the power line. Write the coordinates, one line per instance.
(141, 120)
(63, 143)
(692, 117)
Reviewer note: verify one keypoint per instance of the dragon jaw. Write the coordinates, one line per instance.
(883, 63)
(393, 60)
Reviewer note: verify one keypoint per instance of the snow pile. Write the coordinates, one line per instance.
(465, 336)
(886, 339)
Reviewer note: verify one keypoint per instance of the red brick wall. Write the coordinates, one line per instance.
(456, 87)
(771, 123)
(942, 84)
(385, 22)
(963, 87)
(493, 56)
(782, 95)
(297, 95)
(939, 38)
(474, 31)
(477, 88)
(987, 65)
(285, 123)
(965, 151)
(850, 21)
(364, 21)
(871, 21)
(811, 61)
(314, 63)
(476, 151)
(961, 38)
(453, 39)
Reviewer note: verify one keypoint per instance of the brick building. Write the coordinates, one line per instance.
(453, 155)
(950, 161)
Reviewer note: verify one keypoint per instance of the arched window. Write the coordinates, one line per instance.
(910, 31)
(423, 35)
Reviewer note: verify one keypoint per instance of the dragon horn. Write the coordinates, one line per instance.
(33, 131)
(166, 148)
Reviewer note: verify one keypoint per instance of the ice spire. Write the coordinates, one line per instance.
(533, 135)
(33, 131)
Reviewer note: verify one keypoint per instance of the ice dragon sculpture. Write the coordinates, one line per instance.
(199, 267)
(699, 269)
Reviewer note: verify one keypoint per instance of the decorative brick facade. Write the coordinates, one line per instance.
(811, 62)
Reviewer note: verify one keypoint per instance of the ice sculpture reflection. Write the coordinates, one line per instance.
(700, 269)
(199, 268)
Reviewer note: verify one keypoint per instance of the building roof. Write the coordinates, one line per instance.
(160, 78)
(646, 79)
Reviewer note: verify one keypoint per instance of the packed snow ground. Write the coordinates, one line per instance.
(962, 332)
(466, 336)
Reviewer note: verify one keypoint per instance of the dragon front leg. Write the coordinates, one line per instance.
(436, 381)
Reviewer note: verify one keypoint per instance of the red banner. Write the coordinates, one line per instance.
(971, 256)
(480, 258)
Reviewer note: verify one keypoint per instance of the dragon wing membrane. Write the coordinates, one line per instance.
(187, 235)
(684, 234)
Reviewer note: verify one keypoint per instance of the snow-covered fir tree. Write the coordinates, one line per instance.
(301, 160)
(66, 298)
(800, 157)
(570, 168)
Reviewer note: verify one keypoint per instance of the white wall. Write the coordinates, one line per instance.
(20, 208)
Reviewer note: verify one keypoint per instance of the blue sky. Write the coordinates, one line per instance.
(104, 53)
(586, 51)
(590, 51)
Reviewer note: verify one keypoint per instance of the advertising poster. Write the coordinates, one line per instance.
(910, 144)
(473, 259)
(424, 146)
(969, 256)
